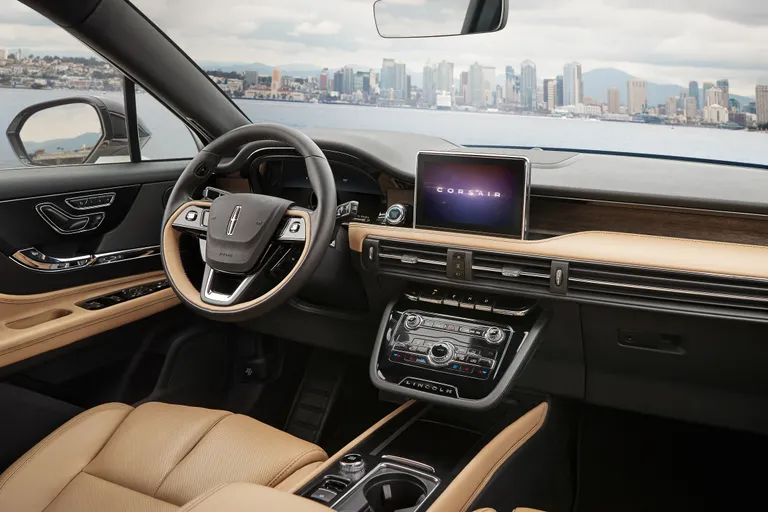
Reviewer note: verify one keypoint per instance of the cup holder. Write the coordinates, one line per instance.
(398, 492)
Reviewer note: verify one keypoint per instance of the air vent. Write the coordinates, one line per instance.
(669, 285)
(493, 268)
(426, 259)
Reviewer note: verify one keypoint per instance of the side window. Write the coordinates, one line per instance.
(169, 137)
(64, 105)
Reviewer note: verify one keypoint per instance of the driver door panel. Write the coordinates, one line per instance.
(42, 304)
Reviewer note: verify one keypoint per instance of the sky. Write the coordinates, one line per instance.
(662, 41)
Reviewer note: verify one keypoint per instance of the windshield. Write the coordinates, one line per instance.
(684, 78)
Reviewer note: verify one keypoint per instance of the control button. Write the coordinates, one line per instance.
(295, 227)
(466, 369)
(484, 361)
(474, 351)
(477, 332)
(459, 256)
(429, 323)
(494, 335)
(486, 352)
(485, 304)
(456, 274)
(461, 350)
(395, 215)
(422, 350)
(454, 366)
(421, 360)
(481, 372)
(323, 496)
(441, 325)
(452, 327)
(473, 359)
(468, 302)
(461, 358)
(457, 265)
(441, 353)
(191, 215)
(413, 348)
(397, 356)
(452, 299)
(434, 296)
(417, 341)
(412, 321)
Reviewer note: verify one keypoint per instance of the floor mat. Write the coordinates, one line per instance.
(632, 462)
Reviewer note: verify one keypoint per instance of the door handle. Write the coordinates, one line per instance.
(66, 224)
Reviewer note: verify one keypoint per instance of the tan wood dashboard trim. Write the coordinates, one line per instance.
(597, 246)
(19, 344)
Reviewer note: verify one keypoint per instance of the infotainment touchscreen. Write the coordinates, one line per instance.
(472, 192)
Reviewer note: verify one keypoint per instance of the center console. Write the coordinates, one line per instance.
(454, 348)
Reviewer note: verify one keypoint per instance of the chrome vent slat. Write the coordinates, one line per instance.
(405, 256)
(510, 270)
(668, 285)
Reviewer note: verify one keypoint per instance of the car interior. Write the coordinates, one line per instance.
(370, 320)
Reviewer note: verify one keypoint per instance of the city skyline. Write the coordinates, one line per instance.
(643, 41)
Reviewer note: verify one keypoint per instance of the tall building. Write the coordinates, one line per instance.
(476, 89)
(358, 81)
(550, 92)
(464, 87)
(705, 87)
(276, 80)
(691, 108)
(545, 90)
(761, 103)
(401, 87)
(511, 86)
(3, 54)
(349, 80)
(372, 79)
(671, 106)
(693, 91)
(324, 79)
(573, 87)
(338, 81)
(614, 101)
(251, 77)
(715, 114)
(725, 87)
(387, 80)
(444, 79)
(429, 85)
(489, 83)
(715, 97)
(559, 91)
(528, 85)
(637, 96)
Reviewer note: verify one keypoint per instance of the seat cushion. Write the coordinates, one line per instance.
(155, 457)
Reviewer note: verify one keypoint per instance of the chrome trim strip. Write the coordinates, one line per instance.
(111, 200)
(36, 260)
(126, 255)
(384, 465)
(414, 463)
(404, 258)
(667, 290)
(221, 299)
(522, 273)
(526, 191)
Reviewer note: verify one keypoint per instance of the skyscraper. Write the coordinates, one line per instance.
(511, 86)
(251, 78)
(349, 80)
(724, 86)
(545, 90)
(428, 84)
(324, 79)
(614, 101)
(338, 81)
(691, 108)
(693, 91)
(489, 84)
(550, 93)
(671, 106)
(476, 89)
(559, 87)
(528, 85)
(761, 103)
(276, 80)
(387, 80)
(401, 86)
(464, 87)
(573, 88)
(509, 73)
(706, 86)
(637, 97)
(444, 79)
(372, 80)
(715, 97)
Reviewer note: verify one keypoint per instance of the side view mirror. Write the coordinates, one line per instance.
(71, 131)
(436, 18)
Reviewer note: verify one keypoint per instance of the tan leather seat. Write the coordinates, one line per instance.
(153, 458)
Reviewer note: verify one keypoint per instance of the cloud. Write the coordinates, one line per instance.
(659, 40)
(323, 28)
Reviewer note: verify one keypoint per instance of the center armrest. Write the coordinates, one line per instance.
(244, 497)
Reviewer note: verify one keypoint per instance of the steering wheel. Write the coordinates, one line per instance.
(259, 249)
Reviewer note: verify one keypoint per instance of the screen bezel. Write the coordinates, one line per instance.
(456, 156)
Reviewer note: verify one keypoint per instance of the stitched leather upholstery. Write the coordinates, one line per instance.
(156, 457)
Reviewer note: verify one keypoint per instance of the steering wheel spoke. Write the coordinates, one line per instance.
(193, 219)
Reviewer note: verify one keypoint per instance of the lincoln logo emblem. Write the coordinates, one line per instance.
(233, 220)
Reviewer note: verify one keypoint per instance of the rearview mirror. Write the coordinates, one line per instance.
(436, 18)
(72, 131)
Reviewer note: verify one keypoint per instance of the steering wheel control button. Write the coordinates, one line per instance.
(351, 463)
(295, 227)
(441, 354)
(191, 215)
(494, 335)
(412, 321)
(436, 388)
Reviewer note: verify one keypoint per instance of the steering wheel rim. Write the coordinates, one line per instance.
(264, 224)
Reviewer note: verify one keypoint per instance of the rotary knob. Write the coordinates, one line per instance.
(396, 215)
(351, 463)
(440, 353)
(412, 321)
(494, 335)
